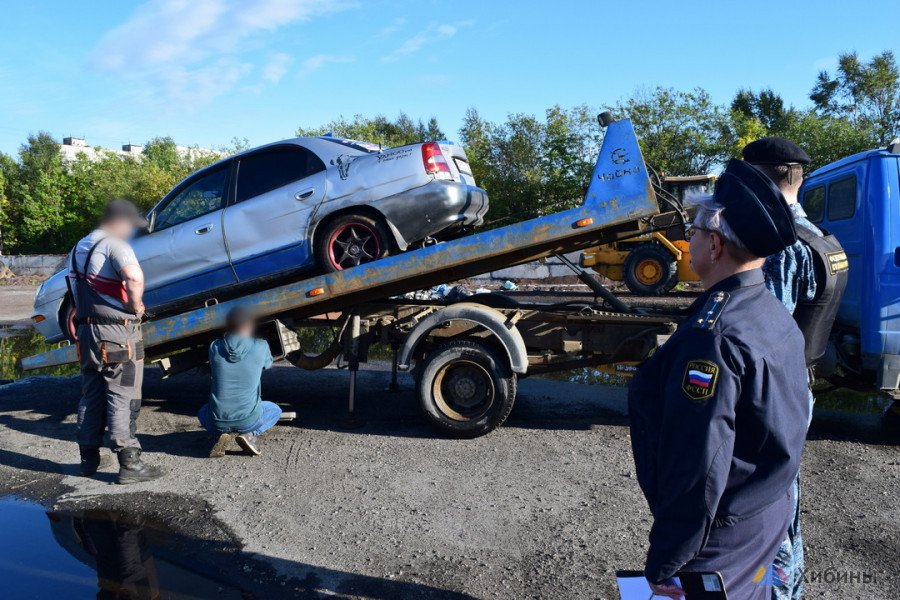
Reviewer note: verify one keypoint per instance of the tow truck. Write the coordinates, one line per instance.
(468, 354)
(856, 199)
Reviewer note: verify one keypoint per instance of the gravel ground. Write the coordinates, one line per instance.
(545, 507)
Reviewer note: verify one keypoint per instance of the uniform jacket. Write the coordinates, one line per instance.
(790, 274)
(718, 418)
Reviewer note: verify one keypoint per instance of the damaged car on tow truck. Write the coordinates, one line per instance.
(274, 213)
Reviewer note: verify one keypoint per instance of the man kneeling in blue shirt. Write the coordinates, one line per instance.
(235, 408)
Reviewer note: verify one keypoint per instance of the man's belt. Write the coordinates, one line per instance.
(111, 321)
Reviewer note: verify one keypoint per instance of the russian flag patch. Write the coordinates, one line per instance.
(699, 381)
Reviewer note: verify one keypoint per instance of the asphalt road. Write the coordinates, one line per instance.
(17, 301)
(545, 507)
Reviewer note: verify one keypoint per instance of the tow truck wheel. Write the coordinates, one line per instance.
(466, 389)
(67, 320)
(650, 270)
(349, 241)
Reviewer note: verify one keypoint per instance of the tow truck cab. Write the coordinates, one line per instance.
(858, 200)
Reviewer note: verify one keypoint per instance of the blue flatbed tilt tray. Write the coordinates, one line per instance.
(619, 203)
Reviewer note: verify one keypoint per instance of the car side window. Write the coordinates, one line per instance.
(202, 196)
(270, 170)
(814, 203)
(842, 198)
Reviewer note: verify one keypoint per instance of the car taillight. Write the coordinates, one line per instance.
(434, 159)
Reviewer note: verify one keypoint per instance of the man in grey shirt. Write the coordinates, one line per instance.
(108, 286)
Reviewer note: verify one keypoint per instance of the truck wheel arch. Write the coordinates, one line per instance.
(491, 320)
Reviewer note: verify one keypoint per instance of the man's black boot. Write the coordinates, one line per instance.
(90, 460)
(133, 470)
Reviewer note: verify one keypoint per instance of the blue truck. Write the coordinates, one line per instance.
(858, 200)
(467, 355)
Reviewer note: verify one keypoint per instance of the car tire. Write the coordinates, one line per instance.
(466, 389)
(67, 319)
(349, 241)
(650, 270)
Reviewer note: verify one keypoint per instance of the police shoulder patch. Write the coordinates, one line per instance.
(700, 378)
(712, 310)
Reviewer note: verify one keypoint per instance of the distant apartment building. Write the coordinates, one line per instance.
(73, 146)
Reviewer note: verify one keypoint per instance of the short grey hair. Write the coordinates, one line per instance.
(709, 216)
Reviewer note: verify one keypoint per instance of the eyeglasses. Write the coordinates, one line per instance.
(692, 230)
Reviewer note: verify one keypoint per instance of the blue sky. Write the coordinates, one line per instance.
(205, 71)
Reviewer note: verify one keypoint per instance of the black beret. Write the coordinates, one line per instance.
(775, 150)
(755, 209)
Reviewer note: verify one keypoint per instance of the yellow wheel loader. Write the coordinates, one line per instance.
(653, 264)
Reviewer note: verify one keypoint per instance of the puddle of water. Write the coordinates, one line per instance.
(20, 341)
(17, 342)
(841, 399)
(96, 554)
(587, 376)
(861, 403)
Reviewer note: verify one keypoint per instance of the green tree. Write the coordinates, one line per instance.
(531, 166)
(680, 133)
(4, 204)
(826, 138)
(866, 93)
(161, 166)
(766, 106)
(380, 130)
(47, 204)
(238, 144)
(37, 194)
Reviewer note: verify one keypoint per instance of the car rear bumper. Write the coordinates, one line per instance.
(438, 207)
(49, 327)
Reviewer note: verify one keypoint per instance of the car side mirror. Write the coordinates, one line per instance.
(151, 219)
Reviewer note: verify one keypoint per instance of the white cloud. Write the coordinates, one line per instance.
(277, 67)
(313, 64)
(429, 34)
(392, 28)
(433, 80)
(169, 45)
(191, 88)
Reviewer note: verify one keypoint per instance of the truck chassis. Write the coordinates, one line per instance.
(467, 355)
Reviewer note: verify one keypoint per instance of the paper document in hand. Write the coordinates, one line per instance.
(634, 586)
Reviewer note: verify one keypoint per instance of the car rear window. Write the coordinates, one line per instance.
(842, 198)
(814, 203)
(272, 169)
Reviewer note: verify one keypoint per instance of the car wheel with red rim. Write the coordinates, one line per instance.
(349, 241)
(67, 320)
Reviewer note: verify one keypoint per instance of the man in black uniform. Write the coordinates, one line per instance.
(809, 278)
(107, 285)
(714, 411)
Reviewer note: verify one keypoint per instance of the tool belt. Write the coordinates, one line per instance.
(111, 321)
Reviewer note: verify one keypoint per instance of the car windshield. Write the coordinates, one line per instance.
(356, 144)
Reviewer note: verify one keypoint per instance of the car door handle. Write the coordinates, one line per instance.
(305, 194)
(204, 229)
